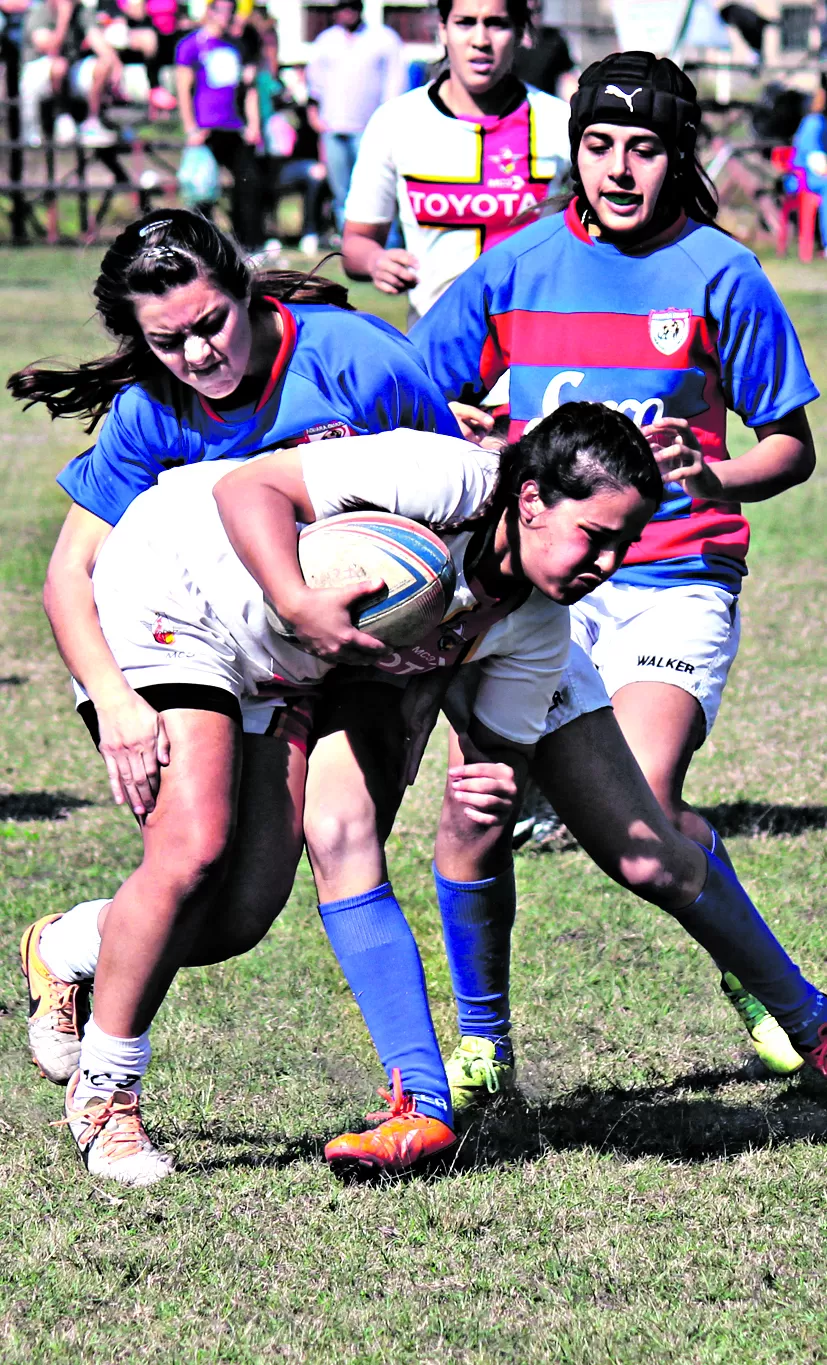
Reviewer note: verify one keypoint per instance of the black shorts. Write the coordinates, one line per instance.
(173, 697)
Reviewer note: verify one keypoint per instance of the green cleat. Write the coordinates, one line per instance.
(474, 1074)
(768, 1037)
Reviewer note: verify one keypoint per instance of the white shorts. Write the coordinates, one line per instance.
(683, 635)
(178, 641)
(581, 690)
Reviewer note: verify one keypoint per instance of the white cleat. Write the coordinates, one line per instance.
(112, 1140)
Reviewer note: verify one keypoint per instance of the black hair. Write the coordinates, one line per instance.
(161, 251)
(518, 12)
(579, 450)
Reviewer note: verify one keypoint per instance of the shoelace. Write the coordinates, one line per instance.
(474, 1062)
(818, 1056)
(62, 1002)
(749, 1008)
(128, 1131)
(400, 1104)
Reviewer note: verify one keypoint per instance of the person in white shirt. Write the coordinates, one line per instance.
(352, 70)
(460, 159)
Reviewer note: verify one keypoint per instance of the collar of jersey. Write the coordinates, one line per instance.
(579, 230)
(282, 360)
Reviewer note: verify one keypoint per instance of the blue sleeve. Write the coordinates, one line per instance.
(391, 387)
(458, 338)
(137, 442)
(809, 137)
(763, 373)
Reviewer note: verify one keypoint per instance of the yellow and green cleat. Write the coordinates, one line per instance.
(475, 1075)
(768, 1037)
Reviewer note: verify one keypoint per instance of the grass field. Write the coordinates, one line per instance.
(645, 1198)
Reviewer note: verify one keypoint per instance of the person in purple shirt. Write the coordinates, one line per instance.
(219, 107)
(352, 70)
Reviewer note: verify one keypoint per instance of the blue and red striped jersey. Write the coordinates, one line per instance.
(687, 326)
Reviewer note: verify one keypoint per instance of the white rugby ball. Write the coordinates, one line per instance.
(411, 560)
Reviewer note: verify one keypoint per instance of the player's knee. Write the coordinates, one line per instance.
(335, 835)
(195, 857)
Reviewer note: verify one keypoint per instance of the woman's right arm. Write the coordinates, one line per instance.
(133, 741)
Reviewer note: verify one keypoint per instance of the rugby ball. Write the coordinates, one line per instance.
(413, 563)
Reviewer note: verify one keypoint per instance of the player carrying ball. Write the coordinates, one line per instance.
(197, 624)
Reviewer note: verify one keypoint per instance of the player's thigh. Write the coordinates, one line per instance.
(354, 785)
(190, 830)
(590, 776)
(663, 726)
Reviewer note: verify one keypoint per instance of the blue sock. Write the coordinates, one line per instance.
(719, 850)
(380, 960)
(725, 922)
(477, 919)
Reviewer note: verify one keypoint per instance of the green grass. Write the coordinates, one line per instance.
(645, 1198)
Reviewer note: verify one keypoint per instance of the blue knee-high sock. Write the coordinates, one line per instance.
(725, 922)
(477, 919)
(379, 957)
(720, 851)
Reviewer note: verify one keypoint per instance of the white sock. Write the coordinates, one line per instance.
(108, 1063)
(70, 946)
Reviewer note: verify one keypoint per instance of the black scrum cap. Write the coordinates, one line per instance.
(638, 90)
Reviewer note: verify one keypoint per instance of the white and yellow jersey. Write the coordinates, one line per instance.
(458, 183)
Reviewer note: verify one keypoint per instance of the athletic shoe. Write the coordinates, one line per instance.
(474, 1074)
(402, 1139)
(93, 133)
(58, 1010)
(111, 1138)
(768, 1037)
(65, 131)
(309, 244)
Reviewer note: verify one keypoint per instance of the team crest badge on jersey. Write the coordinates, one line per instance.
(669, 329)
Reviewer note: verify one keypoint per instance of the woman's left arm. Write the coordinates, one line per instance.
(782, 457)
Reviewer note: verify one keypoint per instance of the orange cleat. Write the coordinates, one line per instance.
(58, 1010)
(403, 1138)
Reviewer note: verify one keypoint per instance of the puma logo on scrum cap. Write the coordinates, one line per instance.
(622, 95)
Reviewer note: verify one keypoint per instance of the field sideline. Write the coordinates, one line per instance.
(646, 1198)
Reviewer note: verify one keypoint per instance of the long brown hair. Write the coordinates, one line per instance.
(162, 251)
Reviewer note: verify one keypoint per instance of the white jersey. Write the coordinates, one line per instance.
(458, 183)
(177, 605)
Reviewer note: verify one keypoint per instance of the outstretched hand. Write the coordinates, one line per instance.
(680, 459)
(488, 791)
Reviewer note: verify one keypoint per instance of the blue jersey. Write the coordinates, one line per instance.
(688, 326)
(336, 374)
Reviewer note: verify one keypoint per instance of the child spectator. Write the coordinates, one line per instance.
(218, 106)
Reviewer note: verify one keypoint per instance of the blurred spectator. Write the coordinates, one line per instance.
(64, 48)
(352, 70)
(286, 165)
(542, 61)
(810, 147)
(218, 106)
(144, 31)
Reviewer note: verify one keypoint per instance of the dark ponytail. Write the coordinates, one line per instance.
(162, 251)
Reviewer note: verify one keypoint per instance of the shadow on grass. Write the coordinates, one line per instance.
(40, 805)
(661, 1120)
(241, 1150)
(13, 680)
(756, 818)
